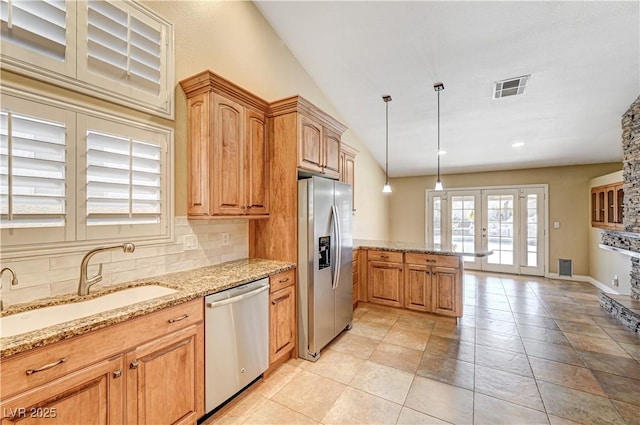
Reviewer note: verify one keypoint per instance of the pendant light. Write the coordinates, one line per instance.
(438, 87)
(387, 188)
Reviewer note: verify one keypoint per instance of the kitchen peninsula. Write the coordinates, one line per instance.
(410, 275)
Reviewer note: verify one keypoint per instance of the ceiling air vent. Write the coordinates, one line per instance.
(510, 87)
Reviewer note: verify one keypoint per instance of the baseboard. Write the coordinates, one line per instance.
(579, 278)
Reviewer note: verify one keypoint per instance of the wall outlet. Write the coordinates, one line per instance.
(225, 239)
(556, 224)
(615, 281)
(190, 242)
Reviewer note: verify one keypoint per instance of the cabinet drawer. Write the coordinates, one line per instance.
(53, 361)
(433, 260)
(389, 256)
(281, 280)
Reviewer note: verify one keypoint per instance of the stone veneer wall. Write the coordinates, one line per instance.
(631, 167)
(631, 180)
(41, 277)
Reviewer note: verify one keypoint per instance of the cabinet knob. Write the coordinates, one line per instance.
(134, 364)
(117, 373)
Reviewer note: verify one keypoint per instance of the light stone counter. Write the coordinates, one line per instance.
(190, 284)
(411, 247)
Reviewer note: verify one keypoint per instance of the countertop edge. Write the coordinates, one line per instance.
(20, 343)
(389, 246)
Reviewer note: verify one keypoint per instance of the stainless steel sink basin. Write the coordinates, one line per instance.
(32, 320)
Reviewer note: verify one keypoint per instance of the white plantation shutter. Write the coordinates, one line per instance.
(71, 176)
(124, 49)
(32, 172)
(112, 49)
(39, 32)
(125, 169)
(124, 179)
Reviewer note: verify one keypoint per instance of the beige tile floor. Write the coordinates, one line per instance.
(527, 351)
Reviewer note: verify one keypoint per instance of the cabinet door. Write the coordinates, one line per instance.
(199, 145)
(331, 153)
(356, 278)
(282, 323)
(385, 283)
(619, 206)
(161, 380)
(93, 395)
(446, 299)
(310, 153)
(256, 164)
(227, 171)
(417, 288)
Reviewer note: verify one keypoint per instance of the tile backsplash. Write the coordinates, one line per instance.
(57, 275)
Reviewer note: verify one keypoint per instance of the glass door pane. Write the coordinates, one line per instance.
(532, 225)
(499, 219)
(465, 223)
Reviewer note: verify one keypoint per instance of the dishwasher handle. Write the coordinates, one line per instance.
(238, 298)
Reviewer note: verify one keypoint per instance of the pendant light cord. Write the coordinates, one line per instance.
(386, 167)
(438, 153)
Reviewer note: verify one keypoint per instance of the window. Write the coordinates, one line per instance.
(73, 175)
(122, 43)
(115, 50)
(123, 168)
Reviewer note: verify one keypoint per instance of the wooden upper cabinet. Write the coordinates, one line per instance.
(309, 144)
(607, 206)
(348, 169)
(227, 171)
(331, 153)
(257, 164)
(227, 153)
(317, 135)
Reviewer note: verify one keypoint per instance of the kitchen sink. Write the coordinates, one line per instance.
(32, 320)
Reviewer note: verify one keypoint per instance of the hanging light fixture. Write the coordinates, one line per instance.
(387, 188)
(438, 87)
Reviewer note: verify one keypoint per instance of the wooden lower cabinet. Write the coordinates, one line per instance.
(446, 287)
(92, 395)
(148, 370)
(356, 279)
(428, 283)
(282, 316)
(158, 391)
(418, 288)
(386, 283)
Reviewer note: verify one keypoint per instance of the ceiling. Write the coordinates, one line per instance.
(583, 57)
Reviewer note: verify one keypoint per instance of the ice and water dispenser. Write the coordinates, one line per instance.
(324, 251)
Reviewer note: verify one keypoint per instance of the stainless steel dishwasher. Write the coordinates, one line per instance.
(236, 340)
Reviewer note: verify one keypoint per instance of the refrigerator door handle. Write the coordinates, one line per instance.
(336, 222)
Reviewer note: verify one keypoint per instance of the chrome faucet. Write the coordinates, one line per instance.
(85, 281)
(14, 280)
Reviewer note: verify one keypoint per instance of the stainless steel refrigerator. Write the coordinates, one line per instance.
(325, 269)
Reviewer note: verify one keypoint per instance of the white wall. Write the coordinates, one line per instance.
(604, 264)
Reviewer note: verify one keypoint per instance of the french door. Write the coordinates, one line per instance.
(510, 221)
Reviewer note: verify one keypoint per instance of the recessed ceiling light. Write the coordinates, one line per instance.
(517, 145)
(441, 152)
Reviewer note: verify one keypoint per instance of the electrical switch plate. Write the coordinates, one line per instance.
(225, 239)
(190, 242)
(615, 281)
(556, 224)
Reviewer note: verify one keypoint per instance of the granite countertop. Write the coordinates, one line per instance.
(416, 247)
(190, 284)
